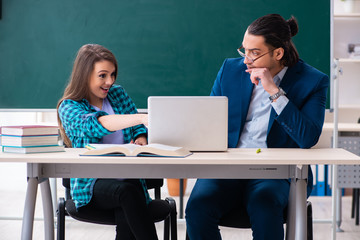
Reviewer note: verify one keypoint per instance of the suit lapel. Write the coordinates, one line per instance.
(245, 97)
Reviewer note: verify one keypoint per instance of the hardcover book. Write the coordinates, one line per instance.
(27, 130)
(40, 149)
(27, 141)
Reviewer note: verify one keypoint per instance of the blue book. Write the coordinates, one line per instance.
(320, 172)
(314, 171)
(37, 149)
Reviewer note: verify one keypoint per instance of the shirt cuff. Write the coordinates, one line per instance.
(280, 104)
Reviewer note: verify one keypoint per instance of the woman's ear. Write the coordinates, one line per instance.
(279, 53)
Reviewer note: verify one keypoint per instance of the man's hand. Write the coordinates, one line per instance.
(263, 75)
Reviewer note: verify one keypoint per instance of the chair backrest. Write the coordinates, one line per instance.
(66, 184)
(154, 183)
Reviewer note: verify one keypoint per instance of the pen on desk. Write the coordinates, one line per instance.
(89, 147)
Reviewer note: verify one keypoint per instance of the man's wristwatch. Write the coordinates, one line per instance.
(281, 92)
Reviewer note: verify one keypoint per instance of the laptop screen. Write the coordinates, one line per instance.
(195, 123)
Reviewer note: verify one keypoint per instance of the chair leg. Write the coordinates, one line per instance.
(309, 221)
(173, 222)
(173, 218)
(167, 228)
(357, 207)
(61, 219)
(353, 203)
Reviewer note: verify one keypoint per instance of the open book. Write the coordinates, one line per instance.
(133, 150)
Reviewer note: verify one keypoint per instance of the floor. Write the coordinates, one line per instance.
(12, 202)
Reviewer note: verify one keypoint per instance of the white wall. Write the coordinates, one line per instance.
(348, 6)
(346, 31)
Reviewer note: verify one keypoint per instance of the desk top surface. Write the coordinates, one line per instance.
(243, 156)
(345, 127)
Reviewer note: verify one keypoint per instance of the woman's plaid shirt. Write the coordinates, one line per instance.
(80, 121)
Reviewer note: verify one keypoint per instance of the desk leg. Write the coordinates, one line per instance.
(301, 219)
(338, 210)
(47, 209)
(53, 188)
(296, 227)
(290, 226)
(334, 199)
(29, 209)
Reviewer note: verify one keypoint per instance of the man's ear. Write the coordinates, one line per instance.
(279, 53)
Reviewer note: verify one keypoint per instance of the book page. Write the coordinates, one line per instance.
(101, 149)
(161, 150)
(135, 150)
(99, 146)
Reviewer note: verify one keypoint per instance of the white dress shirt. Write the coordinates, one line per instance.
(255, 129)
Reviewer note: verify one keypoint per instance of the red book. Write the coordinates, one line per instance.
(29, 130)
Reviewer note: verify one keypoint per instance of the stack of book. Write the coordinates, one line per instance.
(30, 139)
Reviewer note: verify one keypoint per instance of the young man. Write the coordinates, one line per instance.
(275, 101)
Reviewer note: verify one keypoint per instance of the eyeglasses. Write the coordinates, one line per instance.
(252, 60)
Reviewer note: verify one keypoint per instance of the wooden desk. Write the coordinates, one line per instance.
(236, 163)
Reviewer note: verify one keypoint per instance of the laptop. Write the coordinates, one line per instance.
(195, 123)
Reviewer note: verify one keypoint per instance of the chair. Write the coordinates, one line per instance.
(237, 219)
(158, 210)
(355, 205)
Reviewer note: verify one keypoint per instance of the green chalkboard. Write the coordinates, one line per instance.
(163, 47)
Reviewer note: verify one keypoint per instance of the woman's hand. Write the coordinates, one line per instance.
(141, 140)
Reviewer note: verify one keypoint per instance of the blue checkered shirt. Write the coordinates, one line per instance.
(81, 125)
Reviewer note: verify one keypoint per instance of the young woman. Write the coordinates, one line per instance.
(95, 110)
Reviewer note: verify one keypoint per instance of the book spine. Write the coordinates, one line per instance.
(30, 146)
(29, 136)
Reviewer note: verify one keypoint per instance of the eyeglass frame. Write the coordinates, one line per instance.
(251, 59)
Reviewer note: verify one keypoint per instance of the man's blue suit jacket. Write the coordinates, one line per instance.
(300, 123)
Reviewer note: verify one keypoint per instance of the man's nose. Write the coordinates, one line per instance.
(247, 60)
